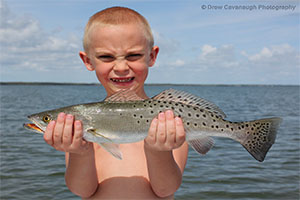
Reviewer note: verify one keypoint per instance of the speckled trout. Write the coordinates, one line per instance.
(125, 118)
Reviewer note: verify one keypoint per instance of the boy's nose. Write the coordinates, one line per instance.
(121, 66)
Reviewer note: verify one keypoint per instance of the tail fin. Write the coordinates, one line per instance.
(260, 136)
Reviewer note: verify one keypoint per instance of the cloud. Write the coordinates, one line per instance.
(167, 45)
(26, 45)
(282, 55)
(277, 64)
(222, 57)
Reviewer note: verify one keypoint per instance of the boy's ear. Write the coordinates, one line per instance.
(153, 55)
(86, 60)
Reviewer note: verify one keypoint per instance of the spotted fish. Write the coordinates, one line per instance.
(125, 118)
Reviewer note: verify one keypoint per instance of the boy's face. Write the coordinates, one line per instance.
(120, 55)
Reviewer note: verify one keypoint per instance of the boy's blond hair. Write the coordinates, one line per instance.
(116, 16)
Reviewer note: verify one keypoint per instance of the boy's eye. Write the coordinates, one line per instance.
(133, 57)
(106, 58)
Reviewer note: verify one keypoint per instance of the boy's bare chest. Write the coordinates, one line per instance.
(132, 164)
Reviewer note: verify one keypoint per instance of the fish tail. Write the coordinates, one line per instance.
(260, 135)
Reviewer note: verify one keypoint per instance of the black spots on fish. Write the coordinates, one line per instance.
(134, 115)
(151, 112)
(232, 129)
(201, 110)
(189, 114)
(227, 126)
(203, 123)
(195, 125)
(197, 115)
(204, 115)
(212, 126)
(180, 110)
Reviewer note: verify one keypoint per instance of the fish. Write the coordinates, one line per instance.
(125, 118)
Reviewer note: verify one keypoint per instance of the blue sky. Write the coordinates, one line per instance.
(201, 42)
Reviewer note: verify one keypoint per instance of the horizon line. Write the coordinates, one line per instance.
(176, 84)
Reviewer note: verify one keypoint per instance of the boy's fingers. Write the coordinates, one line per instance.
(58, 130)
(151, 138)
(161, 128)
(77, 138)
(180, 133)
(68, 130)
(48, 135)
(170, 127)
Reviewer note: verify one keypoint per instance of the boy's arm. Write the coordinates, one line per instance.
(66, 135)
(166, 153)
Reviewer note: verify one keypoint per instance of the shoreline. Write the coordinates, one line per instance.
(147, 84)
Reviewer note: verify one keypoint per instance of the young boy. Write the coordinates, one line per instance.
(118, 45)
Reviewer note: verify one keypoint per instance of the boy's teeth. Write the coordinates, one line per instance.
(122, 80)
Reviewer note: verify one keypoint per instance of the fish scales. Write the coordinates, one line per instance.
(125, 118)
(133, 119)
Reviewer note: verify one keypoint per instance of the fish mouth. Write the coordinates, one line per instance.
(122, 80)
(35, 126)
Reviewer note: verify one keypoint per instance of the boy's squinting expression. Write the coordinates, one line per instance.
(120, 55)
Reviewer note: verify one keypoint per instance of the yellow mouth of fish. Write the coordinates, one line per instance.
(33, 127)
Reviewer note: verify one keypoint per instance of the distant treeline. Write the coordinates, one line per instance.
(150, 84)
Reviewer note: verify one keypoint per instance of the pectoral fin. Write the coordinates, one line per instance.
(202, 145)
(113, 149)
(108, 145)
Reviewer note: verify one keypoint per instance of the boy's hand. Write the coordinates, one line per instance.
(66, 135)
(165, 133)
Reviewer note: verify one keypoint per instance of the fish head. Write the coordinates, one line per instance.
(41, 120)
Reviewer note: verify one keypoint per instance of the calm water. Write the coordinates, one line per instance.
(30, 169)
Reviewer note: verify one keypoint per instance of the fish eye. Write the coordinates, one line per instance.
(47, 118)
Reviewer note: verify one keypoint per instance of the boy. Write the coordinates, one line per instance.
(118, 45)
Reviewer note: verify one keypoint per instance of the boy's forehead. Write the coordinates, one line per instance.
(132, 35)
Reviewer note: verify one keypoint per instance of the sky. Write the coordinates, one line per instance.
(201, 42)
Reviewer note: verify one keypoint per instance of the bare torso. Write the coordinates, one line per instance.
(126, 178)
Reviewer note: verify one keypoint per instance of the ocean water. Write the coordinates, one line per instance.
(30, 169)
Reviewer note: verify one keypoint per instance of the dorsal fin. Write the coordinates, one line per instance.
(189, 99)
(124, 95)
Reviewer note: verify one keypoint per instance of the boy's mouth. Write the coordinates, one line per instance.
(122, 80)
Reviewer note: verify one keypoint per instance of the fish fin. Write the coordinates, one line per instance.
(260, 137)
(113, 149)
(189, 99)
(109, 146)
(124, 95)
(202, 145)
(96, 133)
